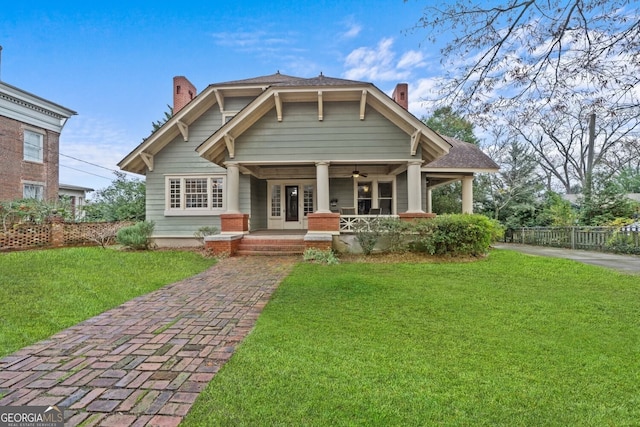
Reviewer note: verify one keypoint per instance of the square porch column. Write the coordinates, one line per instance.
(414, 196)
(233, 221)
(323, 220)
(467, 194)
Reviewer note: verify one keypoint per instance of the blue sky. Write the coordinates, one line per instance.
(113, 63)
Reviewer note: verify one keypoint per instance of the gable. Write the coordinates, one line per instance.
(280, 102)
(274, 101)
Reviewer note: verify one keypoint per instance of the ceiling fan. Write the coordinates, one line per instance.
(356, 173)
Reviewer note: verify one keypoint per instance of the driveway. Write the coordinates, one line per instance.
(623, 263)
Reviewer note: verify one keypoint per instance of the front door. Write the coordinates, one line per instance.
(289, 204)
(291, 207)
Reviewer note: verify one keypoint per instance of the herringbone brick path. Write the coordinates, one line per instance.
(144, 362)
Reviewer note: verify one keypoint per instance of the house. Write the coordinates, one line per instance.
(77, 197)
(30, 129)
(279, 152)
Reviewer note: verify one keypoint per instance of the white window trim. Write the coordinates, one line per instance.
(374, 180)
(35, 184)
(227, 115)
(42, 151)
(184, 211)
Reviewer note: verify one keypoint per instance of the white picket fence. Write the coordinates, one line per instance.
(591, 238)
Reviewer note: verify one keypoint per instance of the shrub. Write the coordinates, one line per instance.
(205, 231)
(624, 242)
(320, 257)
(367, 235)
(32, 210)
(136, 236)
(394, 231)
(455, 235)
(104, 235)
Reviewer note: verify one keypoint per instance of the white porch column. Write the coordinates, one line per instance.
(429, 199)
(414, 195)
(467, 194)
(233, 188)
(322, 184)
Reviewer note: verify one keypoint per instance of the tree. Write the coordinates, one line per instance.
(513, 192)
(447, 198)
(608, 202)
(450, 123)
(560, 137)
(500, 53)
(123, 200)
(167, 115)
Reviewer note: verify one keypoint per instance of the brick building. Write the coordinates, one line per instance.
(30, 129)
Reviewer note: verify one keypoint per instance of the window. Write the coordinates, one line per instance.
(33, 146)
(33, 191)
(308, 199)
(375, 193)
(275, 200)
(364, 198)
(195, 195)
(385, 197)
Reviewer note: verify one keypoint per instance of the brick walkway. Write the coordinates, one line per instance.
(144, 362)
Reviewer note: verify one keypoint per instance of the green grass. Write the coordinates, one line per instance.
(43, 292)
(513, 340)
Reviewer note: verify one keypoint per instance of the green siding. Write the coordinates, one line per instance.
(402, 196)
(342, 189)
(340, 136)
(180, 157)
(258, 204)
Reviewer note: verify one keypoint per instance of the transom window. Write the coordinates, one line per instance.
(194, 194)
(33, 146)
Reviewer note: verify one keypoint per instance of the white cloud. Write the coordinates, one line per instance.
(353, 30)
(379, 63)
(411, 59)
(92, 140)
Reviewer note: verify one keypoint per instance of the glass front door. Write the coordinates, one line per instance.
(291, 203)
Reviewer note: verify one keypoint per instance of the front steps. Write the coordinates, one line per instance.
(271, 245)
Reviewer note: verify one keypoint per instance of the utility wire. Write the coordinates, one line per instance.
(80, 170)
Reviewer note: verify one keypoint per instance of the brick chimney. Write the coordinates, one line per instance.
(401, 95)
(183, 92)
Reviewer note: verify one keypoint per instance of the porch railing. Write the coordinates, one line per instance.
(348, 223)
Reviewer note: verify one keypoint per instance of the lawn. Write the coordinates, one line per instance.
(44, 292)
(513, 340)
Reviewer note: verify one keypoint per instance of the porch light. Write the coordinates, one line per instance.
(355, 173)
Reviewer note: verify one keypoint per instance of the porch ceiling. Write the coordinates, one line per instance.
(308, 170)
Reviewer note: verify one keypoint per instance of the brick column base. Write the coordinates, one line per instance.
(320, 241)
(324, 222)
(234, 223)
(223, 244)
(412, 216)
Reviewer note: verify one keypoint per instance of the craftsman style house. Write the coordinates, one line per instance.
(30, 129)
(285, 153)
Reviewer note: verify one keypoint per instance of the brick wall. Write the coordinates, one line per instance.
(14, 170)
